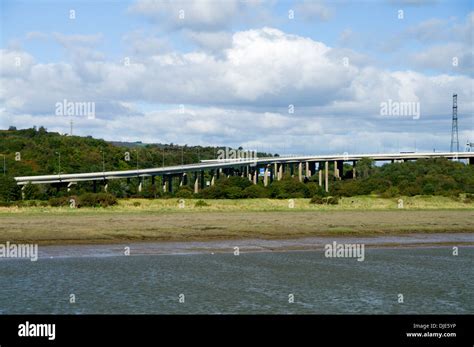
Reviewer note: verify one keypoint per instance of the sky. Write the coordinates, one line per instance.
(288, 77)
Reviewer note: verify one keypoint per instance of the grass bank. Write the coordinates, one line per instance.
(136, 220)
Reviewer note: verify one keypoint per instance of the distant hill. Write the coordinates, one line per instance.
(39, 153)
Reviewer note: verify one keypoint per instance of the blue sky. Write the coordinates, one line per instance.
(227, 72)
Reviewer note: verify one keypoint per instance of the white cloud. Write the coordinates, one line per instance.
(250, 87)
(196, 15)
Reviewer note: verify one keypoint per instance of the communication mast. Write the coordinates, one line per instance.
(454, 129)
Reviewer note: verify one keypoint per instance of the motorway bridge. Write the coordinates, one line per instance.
(272, 167)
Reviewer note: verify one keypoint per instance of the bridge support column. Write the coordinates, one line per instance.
(354, 172)
(255, 175)
(339, 169)
(307, 170)
(70, 185)
(164, 181)
(196, 183)
(280, 171)
(265, 176)
(326, 177)
(213, 178)
(320, 174)
(106, 186)
(300, 171)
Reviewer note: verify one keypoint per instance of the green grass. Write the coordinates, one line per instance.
(255, 205)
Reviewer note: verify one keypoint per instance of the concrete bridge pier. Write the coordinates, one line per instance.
(213, 178)
(164, 182)
(354, 172)
(300, 171)
(265, 176)
(68, 186)
(326, 176)
(339, 169)
(196, 183)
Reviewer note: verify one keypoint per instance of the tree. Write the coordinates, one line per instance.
(9, 190)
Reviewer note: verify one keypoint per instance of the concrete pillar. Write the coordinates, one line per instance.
(213, 178)
(320, 172)
(196, 183)
(354, 173)
(340, 169)
(255, 176)
(265, 177)
(336, 171)
(106, 186)
(308, 170)
(300, 171)
(326, 178)
(280, 171)
(275, 170)
(164, 182)
(140, 186)
(68, 186)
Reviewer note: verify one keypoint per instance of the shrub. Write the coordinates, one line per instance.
(391, 193)
(96, 200)
(201, 203)
(316, 200)
(136, 203)
(255, 191)
(184, 192)
(329, 200)
(58, 202)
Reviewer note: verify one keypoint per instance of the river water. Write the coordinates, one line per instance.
(210, 279)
